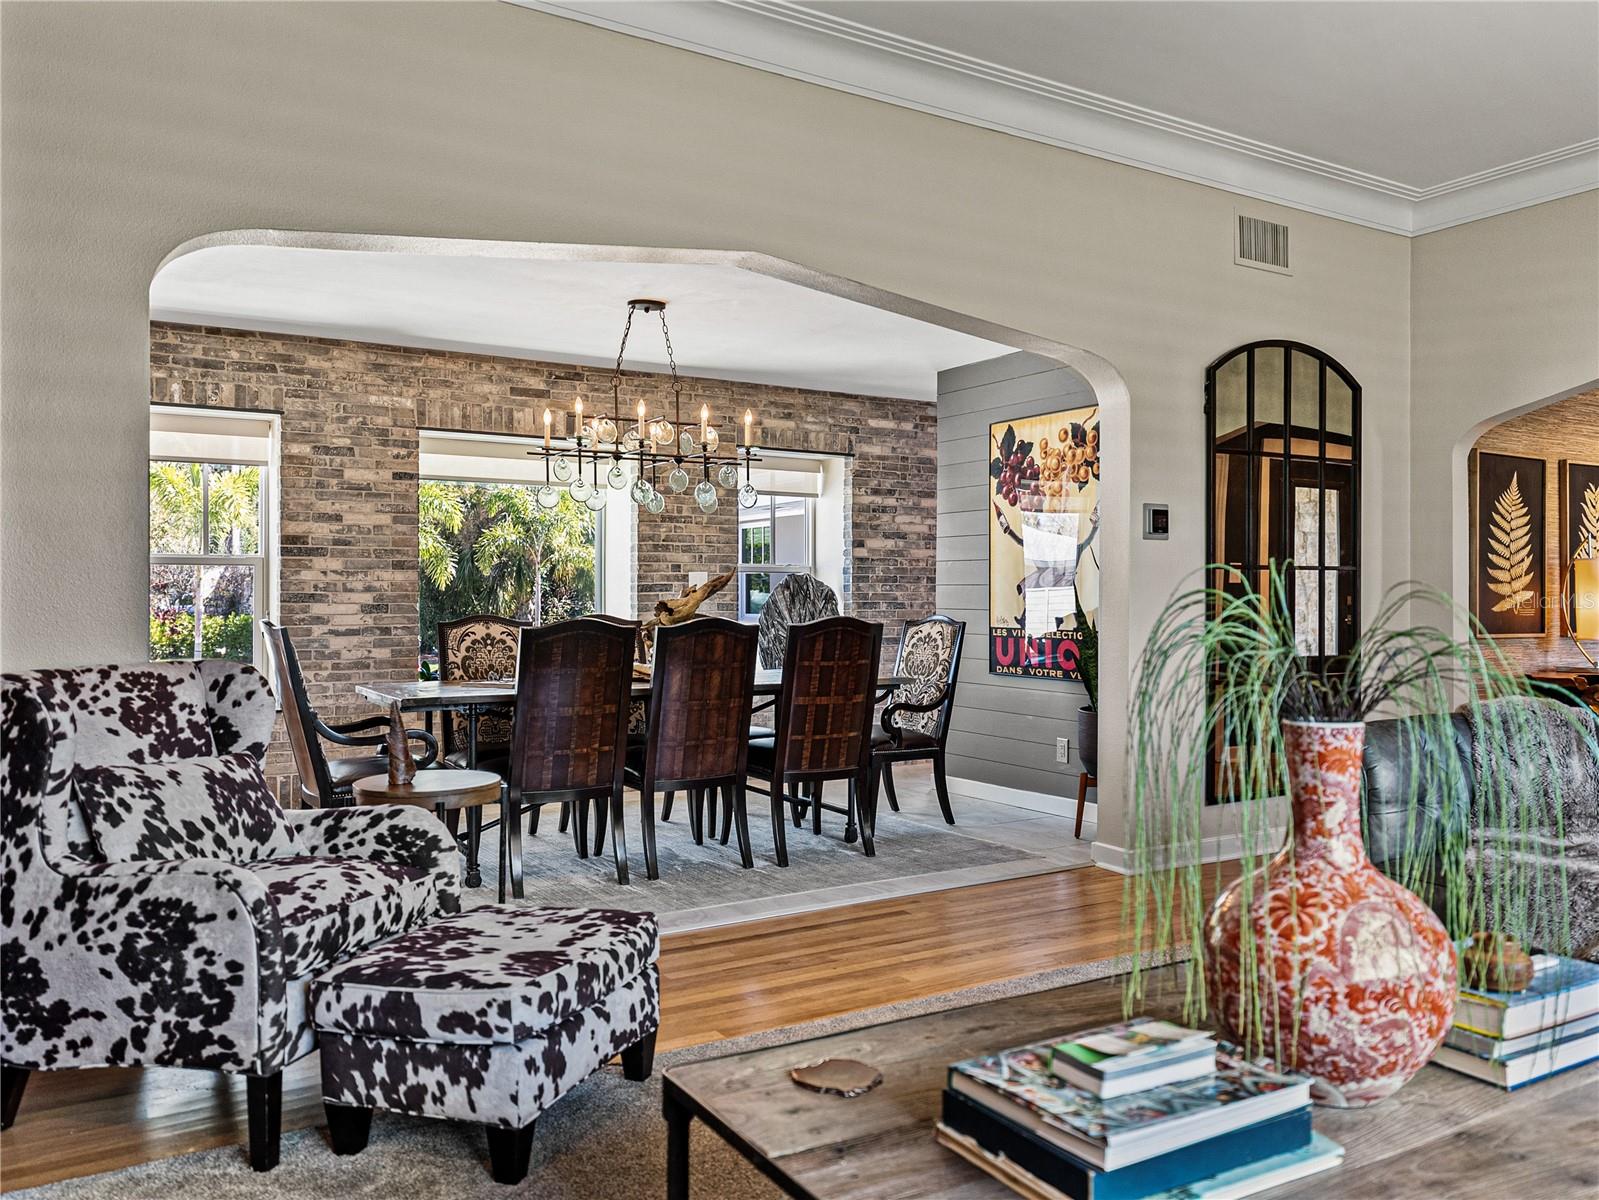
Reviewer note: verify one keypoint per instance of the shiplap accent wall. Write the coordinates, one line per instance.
(1004, 729)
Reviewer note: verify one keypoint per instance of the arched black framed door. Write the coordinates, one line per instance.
(1283, 423)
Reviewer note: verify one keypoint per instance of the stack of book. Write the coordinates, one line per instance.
(1516, 1038)
(1132, 1112)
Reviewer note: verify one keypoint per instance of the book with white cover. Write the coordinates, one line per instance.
(1526, 1067)
(1562, 989)
(1484, 1046)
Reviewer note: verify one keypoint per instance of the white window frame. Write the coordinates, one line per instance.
(263, 598)
(524, 469)
(807, 567)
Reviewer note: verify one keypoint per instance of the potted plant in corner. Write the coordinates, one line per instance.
(1313, 956)
(1087, 638)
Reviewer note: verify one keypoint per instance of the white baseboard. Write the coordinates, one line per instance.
(1041, 802)
(1222, 848)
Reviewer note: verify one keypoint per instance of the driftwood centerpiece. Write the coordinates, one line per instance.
(679, 608)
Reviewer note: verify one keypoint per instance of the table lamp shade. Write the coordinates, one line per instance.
(1585, 599)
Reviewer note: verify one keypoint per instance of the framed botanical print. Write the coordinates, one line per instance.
(1579, 517)
(1508, 538)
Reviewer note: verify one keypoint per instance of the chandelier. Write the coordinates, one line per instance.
(653, 445)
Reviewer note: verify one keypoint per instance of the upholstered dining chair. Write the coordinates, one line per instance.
(824, 726)
(700, 693)
(574, 680)
(325, 782)
(915, 724)
(478, 647)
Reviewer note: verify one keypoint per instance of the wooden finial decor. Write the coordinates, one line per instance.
(402, 767)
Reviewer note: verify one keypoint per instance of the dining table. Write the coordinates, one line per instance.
(475, 697)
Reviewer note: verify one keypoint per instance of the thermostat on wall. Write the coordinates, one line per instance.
(1157, 522)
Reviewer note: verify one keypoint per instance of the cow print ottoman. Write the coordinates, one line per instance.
(491, 1016)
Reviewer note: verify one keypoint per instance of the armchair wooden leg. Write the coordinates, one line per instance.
(816, 807)
(566, 817)
(533, 820)
(646, 811)
(15, 1081)
(509, 1151)
(666, 806)
(349, 1127)
(887, 769)
(474, 841)
(859, 802)
(638, 1060)
(264, 1101)
(941, 784)
(710, 810)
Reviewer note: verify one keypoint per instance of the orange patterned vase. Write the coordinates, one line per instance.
(1355, 975)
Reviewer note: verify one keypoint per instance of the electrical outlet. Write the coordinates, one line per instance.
(695, 578)
(1063, 750)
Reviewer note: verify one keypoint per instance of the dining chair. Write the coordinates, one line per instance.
(473, 648)
(569, 733)
(321, 781)
(915, 724)
(798, 598)
(701, 687)
(824, 726)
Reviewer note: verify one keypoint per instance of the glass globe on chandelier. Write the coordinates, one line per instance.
(649, 443)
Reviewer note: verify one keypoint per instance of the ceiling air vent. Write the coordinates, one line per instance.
(1262, 245)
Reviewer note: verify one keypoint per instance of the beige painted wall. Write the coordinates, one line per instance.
(129, 129)
(1504, 316)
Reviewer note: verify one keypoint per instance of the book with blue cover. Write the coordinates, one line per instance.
(1562, 989)
(1558, 1052)
(1078, 1180)
(1109, 1134)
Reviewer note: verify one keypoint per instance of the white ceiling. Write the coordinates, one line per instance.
(726, 323)
(1407, 115)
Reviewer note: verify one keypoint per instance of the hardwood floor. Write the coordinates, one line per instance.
(716, 983)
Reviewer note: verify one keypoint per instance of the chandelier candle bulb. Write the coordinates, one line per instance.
(749, 420)
(641, 420)
(547, 416)
(705, 420)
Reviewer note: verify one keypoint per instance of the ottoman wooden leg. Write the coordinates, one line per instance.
(638, 1060)
(509, 1150)
(349, 1127)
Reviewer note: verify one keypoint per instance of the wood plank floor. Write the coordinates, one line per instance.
(716, 983)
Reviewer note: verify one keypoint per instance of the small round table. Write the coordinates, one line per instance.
(440, 790)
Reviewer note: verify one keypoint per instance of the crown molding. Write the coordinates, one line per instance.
(792, 40)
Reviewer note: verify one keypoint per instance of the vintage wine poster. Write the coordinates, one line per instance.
(1043, 541)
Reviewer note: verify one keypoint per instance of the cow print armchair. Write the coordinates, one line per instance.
(159, 908)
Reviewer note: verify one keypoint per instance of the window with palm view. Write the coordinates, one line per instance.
(491, 548)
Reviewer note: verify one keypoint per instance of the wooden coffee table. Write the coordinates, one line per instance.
(1443, 1134)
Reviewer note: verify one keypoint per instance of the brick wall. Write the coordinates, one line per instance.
(348, 588)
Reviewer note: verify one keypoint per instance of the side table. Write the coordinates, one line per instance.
(444, 791)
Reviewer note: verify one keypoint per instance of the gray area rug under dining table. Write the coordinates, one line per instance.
(604, 1140)
(703, 885)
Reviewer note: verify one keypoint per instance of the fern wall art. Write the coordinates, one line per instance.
(1579, 511)
(1511, 591)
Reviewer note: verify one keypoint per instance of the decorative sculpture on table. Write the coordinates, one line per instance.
(680, 608)
(402, 767)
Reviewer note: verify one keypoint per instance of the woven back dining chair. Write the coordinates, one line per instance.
(701, 688)
(569, 734)
(824, 725)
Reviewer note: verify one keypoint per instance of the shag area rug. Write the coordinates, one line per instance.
(604, 1141)
(912, 856)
